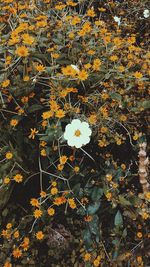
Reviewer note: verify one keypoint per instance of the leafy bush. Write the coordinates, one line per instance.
(74, 73)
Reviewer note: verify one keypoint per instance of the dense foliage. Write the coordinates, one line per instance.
(63, 205)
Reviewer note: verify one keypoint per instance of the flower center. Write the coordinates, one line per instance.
(77, 133)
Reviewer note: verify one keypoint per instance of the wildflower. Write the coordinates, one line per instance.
(18, 178)
(109, 196)
(9, 226)
(33, 133)
(47, 114)
(13, 122)
(7, 264)
(34, 202)
(147, 195)
(5, 83)
(77, 133)
(146, 13)
(87, 257)
(82, 75)
(17, 253)
(109, 177)
(76, 169)
(26, 78)
(39, 235)
(72, 203)
(88, 218)
(51, 211)
(138, 75)
(25, 244)
(9, 155)
(22, 51)
(40, 67)
(43, 194)
(16, 234)
(59, 201)
(139, 234)
(6, 180)
(43, 152)
(27, 39)
(63, 159)
(37, 213)
(92, 119)
(96, 64)
(60, 113)
(60, 167)
(117, 19)
(91, 13)
(54, 191)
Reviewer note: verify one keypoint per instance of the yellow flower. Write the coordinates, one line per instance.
(27, 39)
(37, 213)
(39, 235)
(6, 180)
(96, 263)
(47, 115)
(43, 194)
(26, 78)
(16, 234)
(54, 191)
(22, 51)
(9, 155)
(13, 122)
(9, 226)
(72, 203)
(5, 83)
(7, 264)
(91, 13)
(138, 75)
(147, 195)
(139, 234)
(76, 169)
(39, 67)
(87, 257)
(51, 211)
(63, 159)
(34, 202)
(83, 75)
(109, 196)
(18, 178)
(92, 119)
(109, 177)
(17, 253)
(43, 152)
(60, 113)
(96, 64)
(33, 133)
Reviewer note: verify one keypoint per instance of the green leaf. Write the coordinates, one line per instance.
(94, 225)
(118, 219)
(87, 237)
(96, 193)
(92, 209)
(123, 201)
(116, 96)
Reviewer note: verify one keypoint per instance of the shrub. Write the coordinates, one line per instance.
(74, 112)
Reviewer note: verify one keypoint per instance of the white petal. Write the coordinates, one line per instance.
(86, 131)
(71, 141)
(86, 140)
(76, 123)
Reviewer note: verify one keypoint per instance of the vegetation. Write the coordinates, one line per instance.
(74, 187)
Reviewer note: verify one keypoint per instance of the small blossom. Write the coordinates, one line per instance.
(77, 133)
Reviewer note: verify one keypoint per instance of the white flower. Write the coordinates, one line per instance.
(77, 133)
(117, 19)
(146, 13)
(75, 68)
